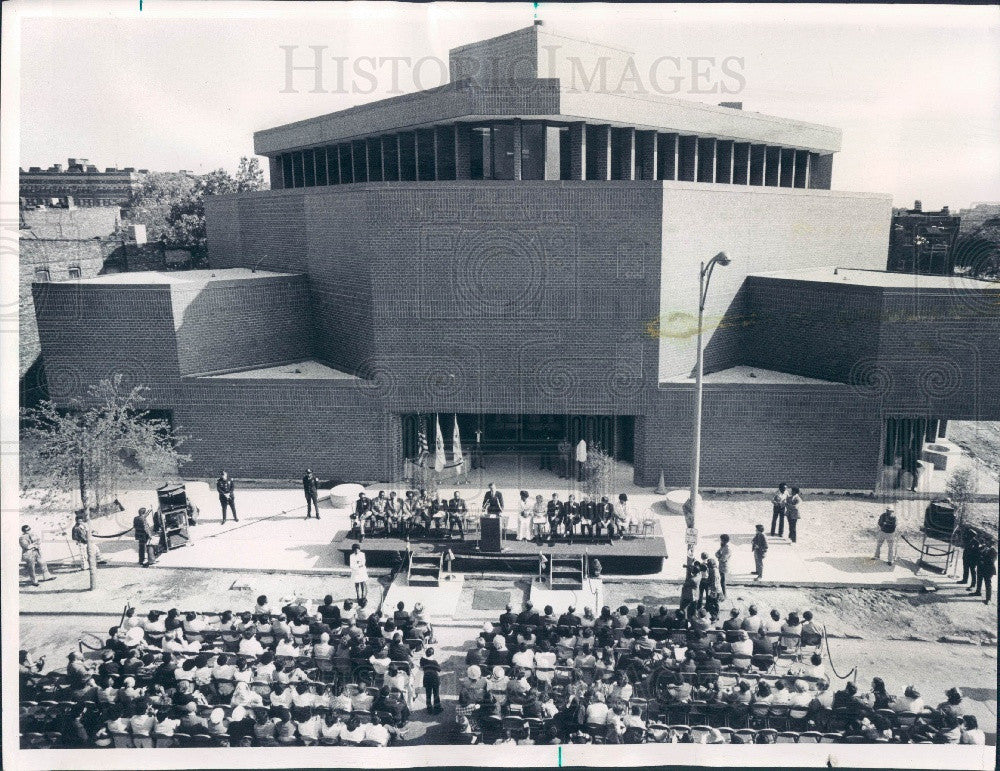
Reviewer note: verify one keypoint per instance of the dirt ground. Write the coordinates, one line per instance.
(979, 438)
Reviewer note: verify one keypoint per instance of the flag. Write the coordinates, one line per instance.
(439, 459)
(422, 450)
(456, 445)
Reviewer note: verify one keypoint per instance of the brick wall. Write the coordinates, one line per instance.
(90, 222)
(808, 435)
(334, 427)
(56, 255)
(90, 332)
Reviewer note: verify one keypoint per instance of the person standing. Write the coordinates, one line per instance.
(581, 459)
(987, 568)
(886, 534)
(227, 495)
(778, 510)
(84, 536)
(493, 501)
(359, 571)
(792, 512)
(524, 517)
(310, 486)
(723, 554)
(759, 548)
(565, 457)
(142, 525)
(970, 556)
(457, 509)
(31, 553)
(431, 668)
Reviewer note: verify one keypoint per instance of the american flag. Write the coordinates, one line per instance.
(422, 449)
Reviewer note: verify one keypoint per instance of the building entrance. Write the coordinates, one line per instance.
(522, 435)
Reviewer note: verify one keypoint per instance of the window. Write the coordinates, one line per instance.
(41, 275)
(74, 271)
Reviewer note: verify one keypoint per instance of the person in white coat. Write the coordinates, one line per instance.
(525, 510)
(581, 458)
(359, 571)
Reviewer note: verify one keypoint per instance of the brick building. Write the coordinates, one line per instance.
(81, 181)
(923, 241)
(525, 255)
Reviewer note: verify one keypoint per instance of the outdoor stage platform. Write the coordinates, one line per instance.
(633, 555)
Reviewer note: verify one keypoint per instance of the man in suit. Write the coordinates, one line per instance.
(380, 512)
(985, 570)
(493, 501)
(362, 506)
(142, 524)
(227, 495)
(565, 457)
(571, 517)
(457, 510)
(554, 512)
(310, 486)
(588, 512)
(605, 517)
(970, 556)
(759, 547)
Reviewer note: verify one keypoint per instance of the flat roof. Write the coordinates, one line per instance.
(308, 369)
(752, 376)
(172, 277)
(879, 278)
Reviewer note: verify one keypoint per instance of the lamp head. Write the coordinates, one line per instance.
(722, 258)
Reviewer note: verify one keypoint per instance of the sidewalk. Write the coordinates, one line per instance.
(836, 537)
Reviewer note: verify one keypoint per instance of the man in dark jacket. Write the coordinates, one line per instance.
(227, 495)
(970, 556)
(886, 534)
(310, 486)
(986, 569)
(142, 524)
(759, 548)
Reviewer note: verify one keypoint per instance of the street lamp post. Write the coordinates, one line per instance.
(703, 279)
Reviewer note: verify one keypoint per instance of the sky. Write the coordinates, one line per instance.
(915, 90)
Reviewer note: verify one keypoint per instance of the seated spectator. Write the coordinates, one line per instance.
(217, 723)
(329, 612)
(497, 683)
(164, 727)
(811, 633)
(342, 702)
(281, 695)
(780, 694)
(518, 686)
(250, 645)
(399, 650)
(376, 734)
(262, 608)
(302, 696)
(422, 623)
(265, 669)
(323, 649)
(742, 695)
(949, 730)
(971, 732)
(332, 729)
(399, 681)
(191, 721)
(285, 730)
(308, 727)
(763, 694)
(752, 622)
(523, 658)
(244, 696)
(799, 696)
(299, 626)
(499, 655)
(471, 690)
(877, 698)
(953, 705)
(597, 711)
(742, 647)
(380, 661)
(732, 625)
(363, 611)
(772, 625)
(361, 700)
(791, 632)
(816, 668)
(548, 618)
(640, 619)
(847, 699)
(678, 689)
(401, 618)
(353, 732)
(349, 613)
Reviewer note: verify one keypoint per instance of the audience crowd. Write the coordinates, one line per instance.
(344, 674)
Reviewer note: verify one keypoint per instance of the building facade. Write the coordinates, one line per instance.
(524, 255)
(923, 241)
(80, 181)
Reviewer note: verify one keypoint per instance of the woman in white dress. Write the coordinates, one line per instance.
(359, 571)
(524, 518)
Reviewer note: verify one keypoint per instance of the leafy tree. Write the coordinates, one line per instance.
(172, 206)
(92, 447)
(979, 251)
(599, 473)
(961, 489)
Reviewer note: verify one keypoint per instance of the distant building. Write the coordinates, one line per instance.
(922, 241)
(81, 181)
(977, 215)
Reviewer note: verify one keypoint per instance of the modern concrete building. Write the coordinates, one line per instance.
(80, 181)
(525, 254)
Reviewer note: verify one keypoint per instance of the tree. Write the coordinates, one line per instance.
(599, 473)
(978, 252)
(172, 206)
(91, 448)
(961, 489)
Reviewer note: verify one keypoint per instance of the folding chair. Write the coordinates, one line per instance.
(787, 737)
(810, 737)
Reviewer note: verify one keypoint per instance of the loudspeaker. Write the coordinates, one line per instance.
(490, 538)
(939, 520)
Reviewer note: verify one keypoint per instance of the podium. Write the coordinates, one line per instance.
(490, 534)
